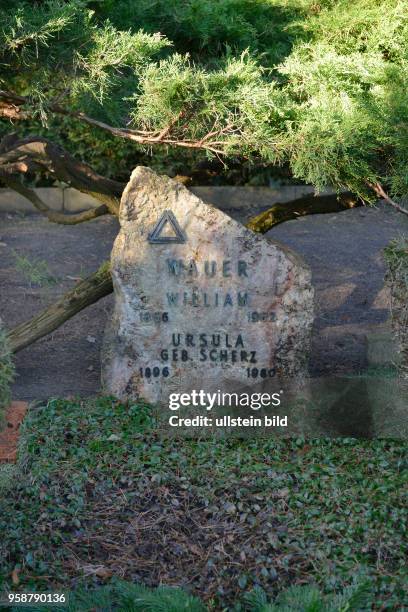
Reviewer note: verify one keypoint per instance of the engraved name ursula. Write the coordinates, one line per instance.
(212, 347)
(209, 269)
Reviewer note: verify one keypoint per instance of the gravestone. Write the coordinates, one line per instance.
(201, 302)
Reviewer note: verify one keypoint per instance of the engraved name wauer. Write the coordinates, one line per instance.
(210, 268)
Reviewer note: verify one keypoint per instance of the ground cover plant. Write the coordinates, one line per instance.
(6, 373)
(100, 493)
(35, 271)
(396, 257)
(121, 595)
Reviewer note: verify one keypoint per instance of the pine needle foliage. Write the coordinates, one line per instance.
(122, 596)
(318, 87)
(308, 598)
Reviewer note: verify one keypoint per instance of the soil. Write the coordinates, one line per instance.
(343, 250)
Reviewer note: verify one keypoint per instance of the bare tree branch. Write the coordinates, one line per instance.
(306, 205)
(85, 293)
(11, 111)
(382, 194)
(19, 167)
(34, 152)
(52, 215)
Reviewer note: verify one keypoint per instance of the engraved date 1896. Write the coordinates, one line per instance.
(153, 317)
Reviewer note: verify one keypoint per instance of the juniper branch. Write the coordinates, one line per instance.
(139, 137)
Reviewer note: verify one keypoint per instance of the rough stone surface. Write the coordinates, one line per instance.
(224, 309)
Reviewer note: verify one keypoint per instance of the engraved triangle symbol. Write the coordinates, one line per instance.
(160, 233)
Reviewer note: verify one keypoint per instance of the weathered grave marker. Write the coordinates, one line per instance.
(201, 302)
